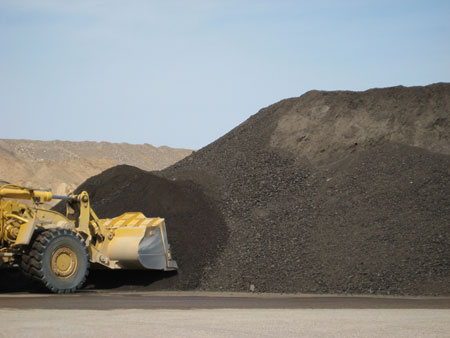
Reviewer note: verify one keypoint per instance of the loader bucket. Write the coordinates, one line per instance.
(137, 242)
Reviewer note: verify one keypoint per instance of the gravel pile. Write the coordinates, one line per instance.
(197, 231)
(334, 192)
(330, 192)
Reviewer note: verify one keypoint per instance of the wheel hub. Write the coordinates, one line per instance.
(64, 262)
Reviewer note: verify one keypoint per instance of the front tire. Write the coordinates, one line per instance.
(59, 260)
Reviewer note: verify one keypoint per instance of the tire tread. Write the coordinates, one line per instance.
(32, 261)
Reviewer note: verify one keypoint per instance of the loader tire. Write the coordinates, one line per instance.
(58, 259)
(25, 265)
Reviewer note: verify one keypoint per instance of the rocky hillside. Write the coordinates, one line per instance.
(63, 166)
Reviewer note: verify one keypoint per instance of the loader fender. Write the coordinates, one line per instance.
(26, 232)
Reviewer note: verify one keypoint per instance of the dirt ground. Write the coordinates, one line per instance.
(221, 315)
(226, 323)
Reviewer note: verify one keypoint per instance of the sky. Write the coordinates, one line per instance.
(184, 73)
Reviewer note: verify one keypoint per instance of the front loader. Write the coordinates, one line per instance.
(57, 249)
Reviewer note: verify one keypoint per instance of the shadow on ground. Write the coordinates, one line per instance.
(13, 280)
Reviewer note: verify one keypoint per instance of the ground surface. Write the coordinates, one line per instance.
(220, 315)
(95, 300)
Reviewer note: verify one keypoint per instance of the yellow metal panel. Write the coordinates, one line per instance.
(21, 193)
(25, 232)
(124, 246)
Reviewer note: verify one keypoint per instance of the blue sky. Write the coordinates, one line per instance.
(183, 73)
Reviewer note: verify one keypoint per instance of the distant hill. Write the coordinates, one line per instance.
(62, 165)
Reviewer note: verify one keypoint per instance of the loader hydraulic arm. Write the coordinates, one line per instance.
(18, 192)
(88, 222)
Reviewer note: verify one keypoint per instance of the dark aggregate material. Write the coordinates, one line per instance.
(293, 207)
(244, 212)
(195, 239)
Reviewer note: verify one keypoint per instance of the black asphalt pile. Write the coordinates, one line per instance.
(331, 192)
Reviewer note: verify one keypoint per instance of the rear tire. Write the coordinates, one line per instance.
(58, 259)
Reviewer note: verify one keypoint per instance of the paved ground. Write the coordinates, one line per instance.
(211, 300)
(220, 315)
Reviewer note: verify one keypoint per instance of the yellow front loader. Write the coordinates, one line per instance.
(57, 249)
